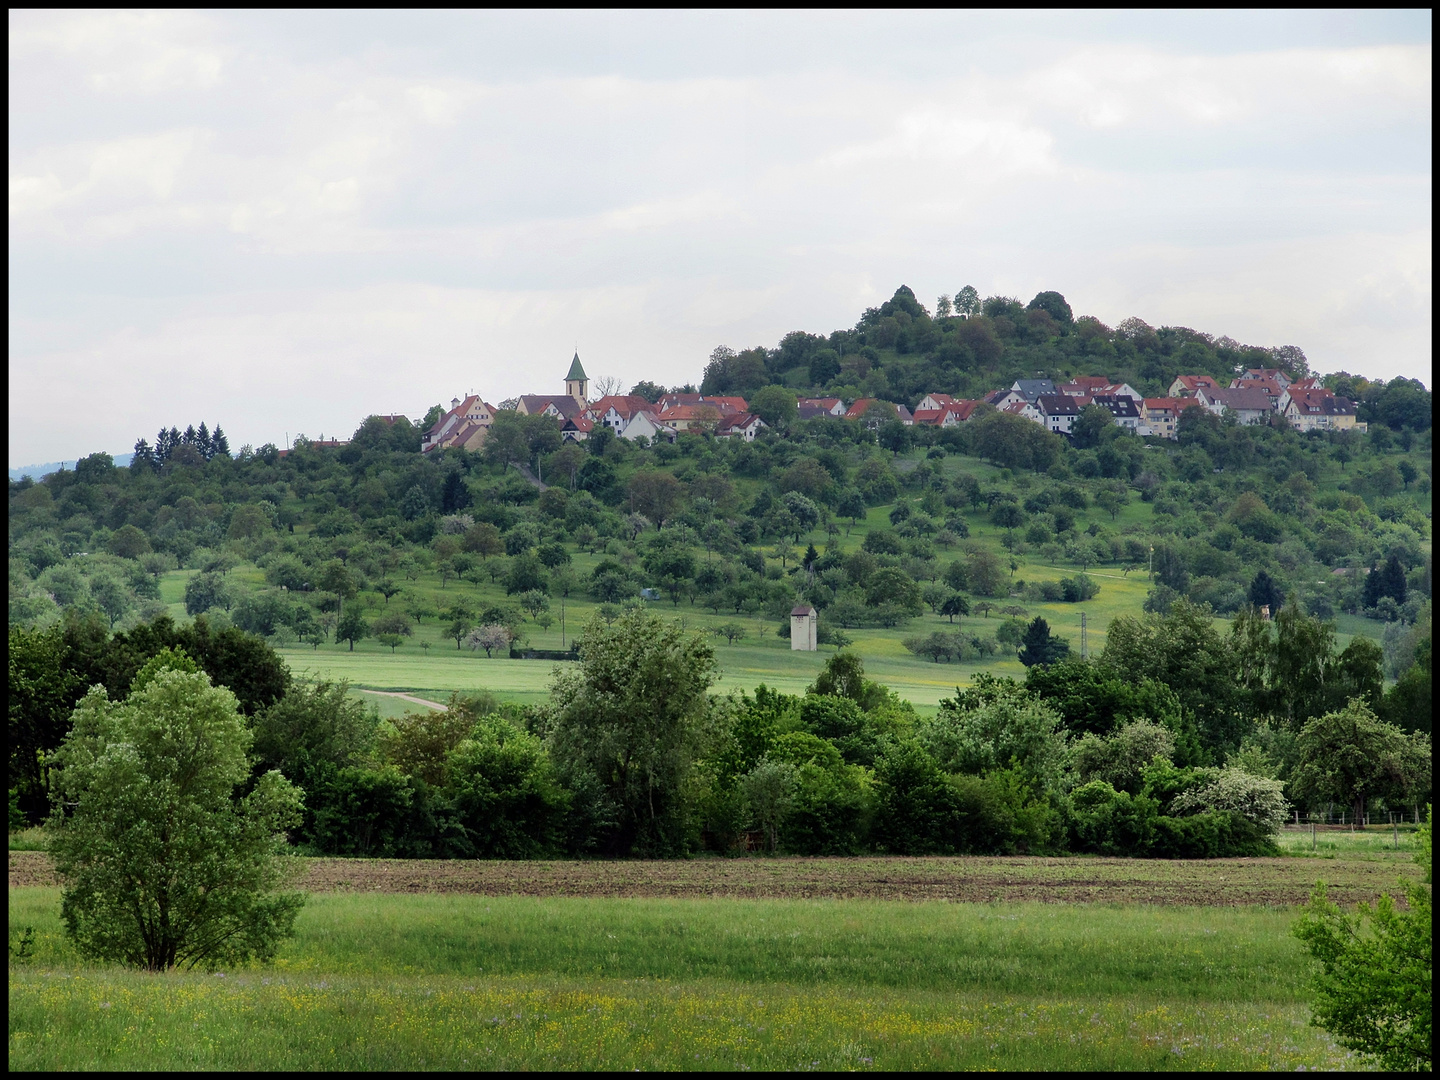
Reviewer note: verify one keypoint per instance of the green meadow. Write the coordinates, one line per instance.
(428, 981)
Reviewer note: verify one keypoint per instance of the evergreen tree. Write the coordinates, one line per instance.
(218, 443)
(202, 441)
(1039, 646)
(1392, 580)
(1264, 592)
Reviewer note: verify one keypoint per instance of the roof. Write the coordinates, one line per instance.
(1270, 386)
(1090, 382)
(961, 410)
(1121, 406)
(1033, 388)
(564, 404)
(1174, 404)
(738, 422)
(1195, 382)
(821, 402)
(727, 404)
(861, 406)
(623, 404)
(1057, 405)
(1249, 400)
(1320, 401)
(577, 423)
(996, 396)
(576, 371)
(802, 609)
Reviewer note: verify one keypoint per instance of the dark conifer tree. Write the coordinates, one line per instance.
(218, 443)
(1039, 646)
(1392, 580)
(1264, 592)
(202, 441)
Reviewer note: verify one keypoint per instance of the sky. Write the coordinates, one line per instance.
(283, 222)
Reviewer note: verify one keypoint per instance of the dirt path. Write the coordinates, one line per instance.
(403, 697)
(1226, 882)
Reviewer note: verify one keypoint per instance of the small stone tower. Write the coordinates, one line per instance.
(804, 625)
(576, 384)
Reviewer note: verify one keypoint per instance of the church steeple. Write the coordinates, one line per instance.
(576, 383)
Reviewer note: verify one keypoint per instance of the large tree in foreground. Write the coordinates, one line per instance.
(632, 715)
(163, 861)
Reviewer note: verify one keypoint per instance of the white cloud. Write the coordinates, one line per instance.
(125, 52)
(365, 221)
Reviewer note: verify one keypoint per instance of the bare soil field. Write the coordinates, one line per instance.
(1224, 882)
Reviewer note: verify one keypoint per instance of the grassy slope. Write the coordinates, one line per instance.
(430, 662)
(455, 981)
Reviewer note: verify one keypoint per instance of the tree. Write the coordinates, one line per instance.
(204, 591)
(128, 542)
(1265, 593)
(1112, 501)
(491, 637)
(1040, 647)
(1351, 756)
(775, 405)
(534, 601)
(955, 604)
(851, 505)
(967, 301)
(1373, 991)
(654, 494)
(164, 862)
(632, 715)
(351, 627)
(730, 631)
(943, 307)
(1093, 421)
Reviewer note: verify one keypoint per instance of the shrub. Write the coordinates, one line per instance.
(505, 794)
(1373, 990)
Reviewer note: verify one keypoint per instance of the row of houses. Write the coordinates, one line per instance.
(1253, 398)
(628, 416)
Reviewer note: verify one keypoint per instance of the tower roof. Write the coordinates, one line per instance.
(576, 371)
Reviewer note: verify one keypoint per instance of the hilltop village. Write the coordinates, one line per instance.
(1257, 396)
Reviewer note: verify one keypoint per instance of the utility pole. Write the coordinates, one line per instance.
(1152, 564)
(562, 622)
(1083, 651)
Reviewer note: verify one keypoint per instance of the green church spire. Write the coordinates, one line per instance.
(576, 371)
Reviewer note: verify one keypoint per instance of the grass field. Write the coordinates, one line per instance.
(422, 981)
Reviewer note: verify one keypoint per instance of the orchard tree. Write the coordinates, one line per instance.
(164, 861)
(1351, 756)
(489, 638)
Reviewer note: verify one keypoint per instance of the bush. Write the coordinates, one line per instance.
(1373, 991)
(505, 794)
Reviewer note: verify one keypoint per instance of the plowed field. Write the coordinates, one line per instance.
(1232, 882)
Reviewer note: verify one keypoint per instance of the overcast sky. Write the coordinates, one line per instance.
(283, 222)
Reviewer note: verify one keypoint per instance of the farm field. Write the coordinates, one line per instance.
(425, 979)
(1226, 882)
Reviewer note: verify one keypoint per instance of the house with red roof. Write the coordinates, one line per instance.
(1250, 405)
(465, 425)
(1319, 410)
(742, 425)
(1187, 385)
(1161, 415)
(811, 408)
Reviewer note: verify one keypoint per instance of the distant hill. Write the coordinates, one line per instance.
(35, 472)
